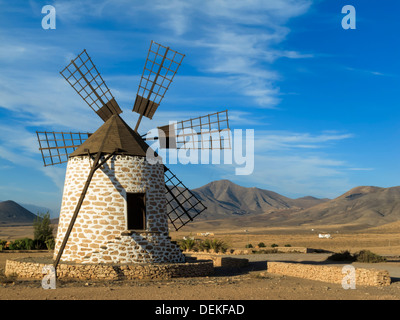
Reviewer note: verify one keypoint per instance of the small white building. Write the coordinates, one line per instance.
(326, 235)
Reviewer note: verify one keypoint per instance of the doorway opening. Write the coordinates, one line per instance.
(136, 211)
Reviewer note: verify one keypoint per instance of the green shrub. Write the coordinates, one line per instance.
(261, 245)
(213, 244)
(218, 245)
(27, 244)
(342, 256)
(50, 243)
(288, 245)
(15, 245)
(43, 231)
(22, 244)
(368, 257)
(361, 256)
(205, 245)
(39, 244)
(3, 244)
(274, 245)
(187, 244)
(249, 245)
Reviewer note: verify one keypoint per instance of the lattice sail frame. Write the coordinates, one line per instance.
(162, 63)
(182, 204)
(206, 132)
(57, 146)
(84, 77)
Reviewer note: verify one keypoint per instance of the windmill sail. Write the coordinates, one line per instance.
(206, 132)
(84, 77)
(57, 146)
(162, 63)
(182, 204)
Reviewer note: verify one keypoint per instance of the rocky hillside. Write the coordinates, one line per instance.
(12, 213)
(225, 199)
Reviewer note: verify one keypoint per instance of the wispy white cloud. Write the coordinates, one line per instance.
(294, 175)
(239, 41)
(234, 39)
(283, 140)
(45, 100)
(369, 72)
(56, 174)
(19, 147)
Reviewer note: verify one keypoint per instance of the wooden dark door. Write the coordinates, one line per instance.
(136, 211)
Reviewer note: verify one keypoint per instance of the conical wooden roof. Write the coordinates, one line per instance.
(116, 135)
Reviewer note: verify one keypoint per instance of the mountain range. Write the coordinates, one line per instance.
(364, 206)
(230, 205)
(225, 199)
(13, 213)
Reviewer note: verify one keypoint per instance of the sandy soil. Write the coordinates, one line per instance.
(384, 242)
(248, 284)
(251, 283)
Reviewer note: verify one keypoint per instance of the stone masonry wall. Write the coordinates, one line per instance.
(32, 270)
(332, 274)
(99, 234)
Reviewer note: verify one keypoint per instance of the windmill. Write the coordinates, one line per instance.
(116, 206)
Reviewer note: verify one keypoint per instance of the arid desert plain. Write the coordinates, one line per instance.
(251, 282)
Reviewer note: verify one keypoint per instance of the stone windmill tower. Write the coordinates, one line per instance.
(116, 204)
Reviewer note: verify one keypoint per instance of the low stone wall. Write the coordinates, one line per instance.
(31, 270)
(228, 262)
(220, 261)
(332, 274)
(294, 250)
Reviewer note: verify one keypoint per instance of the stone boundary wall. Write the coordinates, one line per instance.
(332, 274)
(24, 251)
(32, 270)
(293, 249)
(219, 261)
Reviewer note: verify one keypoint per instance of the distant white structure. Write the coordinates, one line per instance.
(205, 234)
(327, 236)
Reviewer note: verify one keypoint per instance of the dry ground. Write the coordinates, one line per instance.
(383, 240)
(245, 284)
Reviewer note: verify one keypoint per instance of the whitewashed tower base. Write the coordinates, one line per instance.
(100, 233)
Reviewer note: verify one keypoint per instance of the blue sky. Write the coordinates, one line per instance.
(323, 101)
